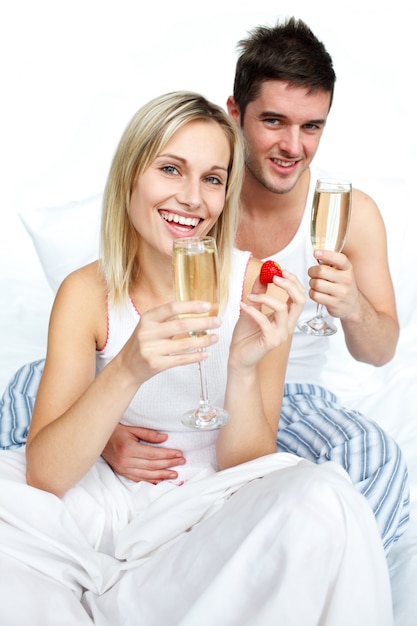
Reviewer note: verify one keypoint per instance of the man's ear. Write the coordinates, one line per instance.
(233, 109)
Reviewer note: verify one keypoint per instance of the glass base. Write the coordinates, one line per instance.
(209, 419)
(317, 326)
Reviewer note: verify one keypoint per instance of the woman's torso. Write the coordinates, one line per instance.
(161, 401)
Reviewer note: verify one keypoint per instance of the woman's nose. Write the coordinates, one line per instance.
(190, 194)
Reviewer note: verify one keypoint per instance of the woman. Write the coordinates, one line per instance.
(217, 545)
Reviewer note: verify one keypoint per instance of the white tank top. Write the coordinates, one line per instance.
(161, 401)
(308, 353)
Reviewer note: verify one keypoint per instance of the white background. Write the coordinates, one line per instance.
(74, 72)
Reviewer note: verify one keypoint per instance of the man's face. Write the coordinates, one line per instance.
(282, 130)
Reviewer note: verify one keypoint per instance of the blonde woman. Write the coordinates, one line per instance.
(243, 531)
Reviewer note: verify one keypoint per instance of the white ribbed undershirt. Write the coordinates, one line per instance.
(161, 401)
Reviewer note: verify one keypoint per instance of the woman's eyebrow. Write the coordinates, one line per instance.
(168, 155)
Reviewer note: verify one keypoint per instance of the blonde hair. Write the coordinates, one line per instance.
(144, 138)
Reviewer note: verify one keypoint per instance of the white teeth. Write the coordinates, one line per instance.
(283, 163)
(178, 219)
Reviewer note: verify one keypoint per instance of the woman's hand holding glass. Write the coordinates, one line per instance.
(161, 339)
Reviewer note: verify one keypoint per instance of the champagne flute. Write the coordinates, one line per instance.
(329, 225)
(195, 264)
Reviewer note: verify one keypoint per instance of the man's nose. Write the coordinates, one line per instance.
(289, 141)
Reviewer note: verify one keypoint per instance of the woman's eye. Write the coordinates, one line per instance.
(169, 169)
(214, 180)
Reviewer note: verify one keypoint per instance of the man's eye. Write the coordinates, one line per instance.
(271, 121)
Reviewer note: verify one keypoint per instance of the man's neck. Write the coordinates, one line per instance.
(270, 220)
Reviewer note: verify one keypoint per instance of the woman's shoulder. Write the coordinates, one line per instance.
(82, 300)
(88, 279)
(253, 269)
(242, 260)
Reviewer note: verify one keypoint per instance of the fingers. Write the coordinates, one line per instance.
(333, 259)
(188, 308)
(151, 458)
(137, 461)
(295, 290)
(163, 340)
(147, 435)
(291, 285)
(179, 318)
(153, 464)
(273, 327)
(150, 471)
(282, 314)
(334, 277)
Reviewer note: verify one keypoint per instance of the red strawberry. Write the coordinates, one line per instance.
(268, 270)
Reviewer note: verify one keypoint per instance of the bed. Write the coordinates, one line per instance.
(61, 238)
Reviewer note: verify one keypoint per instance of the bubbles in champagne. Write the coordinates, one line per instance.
(330, 219)
(195, 276)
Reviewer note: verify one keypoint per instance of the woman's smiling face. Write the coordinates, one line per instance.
(183, 191)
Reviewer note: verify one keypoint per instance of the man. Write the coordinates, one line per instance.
(283, 92)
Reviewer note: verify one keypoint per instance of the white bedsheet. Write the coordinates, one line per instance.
(185, 553)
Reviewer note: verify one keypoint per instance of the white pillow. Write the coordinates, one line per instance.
(65, 237)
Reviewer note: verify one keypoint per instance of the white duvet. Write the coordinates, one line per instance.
(223, 548)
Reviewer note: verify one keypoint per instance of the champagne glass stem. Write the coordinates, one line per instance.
(318, 318)
(204, 406)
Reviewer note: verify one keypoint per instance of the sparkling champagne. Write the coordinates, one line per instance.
(330, 216)
(196, 276)
(195, 269)
(330, 219)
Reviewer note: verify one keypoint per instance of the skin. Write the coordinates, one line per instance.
(282, 129)
(76, 412)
